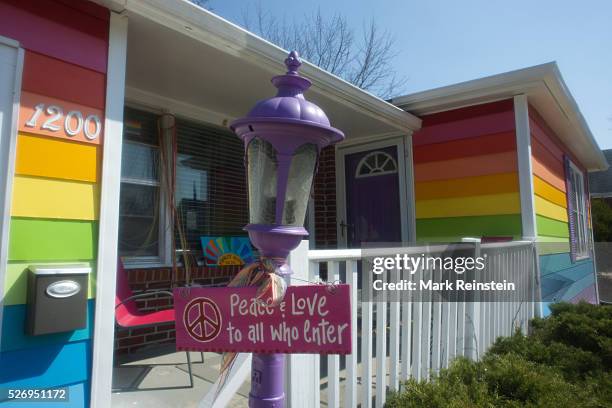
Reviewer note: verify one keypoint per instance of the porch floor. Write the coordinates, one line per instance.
(158, 378)
(142, 372)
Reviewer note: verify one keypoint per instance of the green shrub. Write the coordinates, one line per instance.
(564, 362)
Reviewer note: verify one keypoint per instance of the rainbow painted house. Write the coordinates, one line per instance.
(104, 99)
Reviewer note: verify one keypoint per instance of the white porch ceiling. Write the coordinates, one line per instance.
(183, 71)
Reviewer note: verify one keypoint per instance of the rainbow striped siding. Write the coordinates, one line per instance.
(562, 280)
(55, 200)
(466, 181)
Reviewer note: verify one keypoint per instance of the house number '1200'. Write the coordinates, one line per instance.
(73, 121)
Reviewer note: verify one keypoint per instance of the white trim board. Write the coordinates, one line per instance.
(8, 150)
(525, 171)
(104, 329)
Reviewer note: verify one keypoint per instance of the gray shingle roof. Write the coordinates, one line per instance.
(600, 183)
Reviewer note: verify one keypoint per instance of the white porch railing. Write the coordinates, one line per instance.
(418, 339)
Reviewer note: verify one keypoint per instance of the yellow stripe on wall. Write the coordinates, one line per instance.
(50, 198)
(466, 187)
(549, 192)
(550, 210)
(469, 206)
(55, 158)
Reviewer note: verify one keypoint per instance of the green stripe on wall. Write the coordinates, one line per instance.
(551, 228)
(552, 245)
(52, 240)
(490, 225)
(15, 288)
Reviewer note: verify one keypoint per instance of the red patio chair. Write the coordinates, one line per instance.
(128, 316)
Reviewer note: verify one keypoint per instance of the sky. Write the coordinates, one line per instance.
(441, 42)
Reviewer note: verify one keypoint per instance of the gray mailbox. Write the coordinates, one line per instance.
(57, 298)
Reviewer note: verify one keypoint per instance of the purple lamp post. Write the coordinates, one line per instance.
(283, 137)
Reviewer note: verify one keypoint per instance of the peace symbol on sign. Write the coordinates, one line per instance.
(202, 319)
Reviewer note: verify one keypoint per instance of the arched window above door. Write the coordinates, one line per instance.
(376, 163)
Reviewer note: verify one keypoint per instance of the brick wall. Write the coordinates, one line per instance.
(129, 340)
(325, 200)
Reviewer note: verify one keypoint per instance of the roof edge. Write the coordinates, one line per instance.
(202, 25)
(545, 77)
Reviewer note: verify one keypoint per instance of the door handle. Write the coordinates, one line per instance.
(344, 226)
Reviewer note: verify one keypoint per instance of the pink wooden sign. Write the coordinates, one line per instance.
(310, 319)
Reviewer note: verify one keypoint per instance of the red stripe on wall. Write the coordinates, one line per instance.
(56, 30)
(61, 80)
(547, 137)
(468, 112)
(463, 129)
(88, 7)
(552, 163)
(475, 146)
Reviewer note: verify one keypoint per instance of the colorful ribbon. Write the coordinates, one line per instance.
(271, 288)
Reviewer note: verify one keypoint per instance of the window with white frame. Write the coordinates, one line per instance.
(578, 211)
(210, 189)
(140, 200)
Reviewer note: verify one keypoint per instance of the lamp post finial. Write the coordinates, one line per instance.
(293, 62)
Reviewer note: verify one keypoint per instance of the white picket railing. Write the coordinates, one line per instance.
(419, 337)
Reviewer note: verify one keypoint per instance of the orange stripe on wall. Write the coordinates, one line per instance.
(469, 186)
(552, 178)
(58, 79)
(554, 164)
(466, 167)
(27, 113)
(549, 192)
(56, 158)
(475, 146)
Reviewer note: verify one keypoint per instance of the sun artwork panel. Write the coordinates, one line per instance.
(226, 251)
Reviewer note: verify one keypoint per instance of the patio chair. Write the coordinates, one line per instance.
(128, 316)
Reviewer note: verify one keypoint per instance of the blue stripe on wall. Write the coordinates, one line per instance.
(47, 366)
(578, 287)
(76, 399)
(562, 280)
(557, 262)
(14, 337)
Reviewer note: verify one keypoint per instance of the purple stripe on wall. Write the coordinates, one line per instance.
(56, 30)
(588, 295)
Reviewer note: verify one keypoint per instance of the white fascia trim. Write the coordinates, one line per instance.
(206, 27)
(104, 328)
(555, 83)
(476, 91)
(160, 103)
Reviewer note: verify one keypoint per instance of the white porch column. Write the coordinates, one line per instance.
(104, 329)
(525, 172)
(302, 375)
(11, 58)
(411, 197)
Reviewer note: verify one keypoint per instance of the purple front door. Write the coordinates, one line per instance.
(372, 197)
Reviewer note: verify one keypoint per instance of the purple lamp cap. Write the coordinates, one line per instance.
(288, 106)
